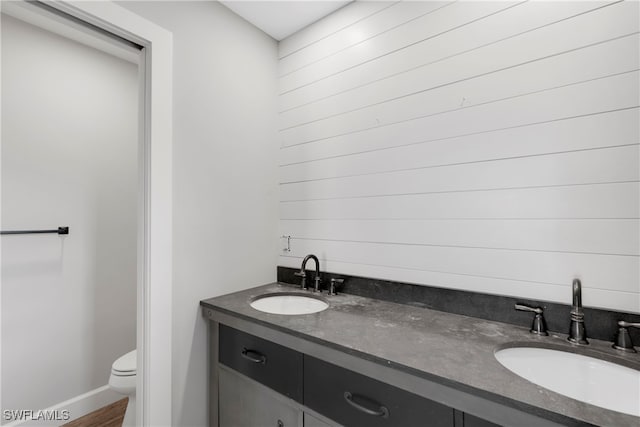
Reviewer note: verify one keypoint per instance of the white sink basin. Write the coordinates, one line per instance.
(288, 304)
(590, 380)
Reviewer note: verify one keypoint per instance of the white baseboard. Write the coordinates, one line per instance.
(75, 407)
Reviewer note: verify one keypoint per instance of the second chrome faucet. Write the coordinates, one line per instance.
(577, 330)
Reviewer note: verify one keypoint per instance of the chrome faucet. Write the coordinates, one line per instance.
(577, 331)
(303, 274)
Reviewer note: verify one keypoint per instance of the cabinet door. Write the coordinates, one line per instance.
(463, 419)
(311, 421)
(471, 421)
(355, 400)
(245, 403)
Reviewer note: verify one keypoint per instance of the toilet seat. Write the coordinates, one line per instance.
(125, 366)
(123, 374)
(123, 380)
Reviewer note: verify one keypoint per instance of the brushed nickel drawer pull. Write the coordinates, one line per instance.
(254, 356)
(351, 400)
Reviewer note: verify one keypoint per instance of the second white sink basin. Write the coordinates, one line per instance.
(584, 378)
(288, 304)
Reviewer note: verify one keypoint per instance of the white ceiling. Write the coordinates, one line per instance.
(280, 19)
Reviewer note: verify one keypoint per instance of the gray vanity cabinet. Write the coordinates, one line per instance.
(264, 384)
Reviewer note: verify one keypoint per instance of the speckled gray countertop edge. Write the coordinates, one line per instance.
(453, 350)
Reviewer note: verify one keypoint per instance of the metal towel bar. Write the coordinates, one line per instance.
(60, 230)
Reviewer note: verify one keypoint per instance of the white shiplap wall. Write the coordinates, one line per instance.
(485, 146)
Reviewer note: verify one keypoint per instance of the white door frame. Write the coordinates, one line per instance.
(154, 304)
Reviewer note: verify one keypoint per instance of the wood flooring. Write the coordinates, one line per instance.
(108, 416)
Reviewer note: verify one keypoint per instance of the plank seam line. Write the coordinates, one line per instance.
(421, 193)
(446, 165)
(432, 245)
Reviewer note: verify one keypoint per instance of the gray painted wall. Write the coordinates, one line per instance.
(225, 174)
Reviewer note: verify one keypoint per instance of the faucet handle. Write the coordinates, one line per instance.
(332, 286)
(623, 339)
(539, 326)
(317, 280)
(624, 324)
(524, 307)
(303, 282)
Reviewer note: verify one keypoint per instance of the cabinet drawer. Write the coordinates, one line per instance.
(355, 400)
(245, 403)
(273, 365)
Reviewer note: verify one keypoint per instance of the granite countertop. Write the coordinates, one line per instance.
(455, 349)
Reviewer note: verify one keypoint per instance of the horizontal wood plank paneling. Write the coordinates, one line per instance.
(487, 146)
(607, 236)
(619, 127)
(443, 19)
(619, 164)
(598, 201)
(604, 94)
(603, 272)
(443, 90)
(494, 29)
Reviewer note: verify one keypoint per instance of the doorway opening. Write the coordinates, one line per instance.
(146, 240)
